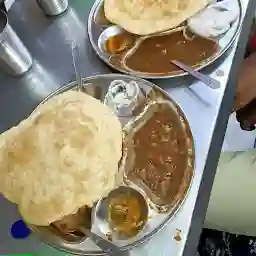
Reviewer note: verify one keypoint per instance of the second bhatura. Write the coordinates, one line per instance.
(145, 17)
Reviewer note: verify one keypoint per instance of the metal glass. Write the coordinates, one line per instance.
(53, 7)
(14, 56)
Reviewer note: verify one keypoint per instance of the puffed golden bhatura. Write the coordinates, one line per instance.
(61, 158)
(144, 17)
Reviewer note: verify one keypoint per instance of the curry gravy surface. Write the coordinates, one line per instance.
(160, 156)
(154, 54)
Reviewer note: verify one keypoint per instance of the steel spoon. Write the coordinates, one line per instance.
(77, 66)
(104, 244)
(210, 82)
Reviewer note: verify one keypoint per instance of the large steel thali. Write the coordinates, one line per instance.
(96, 32)
(97, 86)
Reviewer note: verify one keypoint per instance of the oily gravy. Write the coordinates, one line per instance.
(153, 55)
(160, 149)
(119, 43)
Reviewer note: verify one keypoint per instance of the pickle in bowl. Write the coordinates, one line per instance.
(124, 211)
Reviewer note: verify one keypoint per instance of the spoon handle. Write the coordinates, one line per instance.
(76, 62)
(104, 244)
(210, 82)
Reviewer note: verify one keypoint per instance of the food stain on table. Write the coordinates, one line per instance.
(177, 236)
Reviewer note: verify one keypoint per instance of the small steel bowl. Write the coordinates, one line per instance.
(102, 212)
(122, 41)
(124, 110)
(108, 33)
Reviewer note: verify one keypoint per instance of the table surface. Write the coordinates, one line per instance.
(49, 40)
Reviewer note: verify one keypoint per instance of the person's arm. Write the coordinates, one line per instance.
(232, 205)
(247, 116)
(245, 100)
(246, 86)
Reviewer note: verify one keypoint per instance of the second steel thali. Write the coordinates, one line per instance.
(165, 193)
(100, 29)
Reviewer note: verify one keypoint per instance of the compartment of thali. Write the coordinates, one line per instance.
(69, 228)
(72, 225)
(158, 155)
(115, 40)
(93, 90)
(99, 17)
(122, 214)
(152, 54)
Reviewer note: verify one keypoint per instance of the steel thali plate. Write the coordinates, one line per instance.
(97, 86)
(95, 30)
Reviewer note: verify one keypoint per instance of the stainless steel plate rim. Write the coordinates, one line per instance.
(97, 4)
(147, 237)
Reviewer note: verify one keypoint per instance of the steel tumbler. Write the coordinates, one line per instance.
(53, 7)
(15, 59)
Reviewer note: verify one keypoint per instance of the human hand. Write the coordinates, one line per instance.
(247, 116)
(246, 86)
